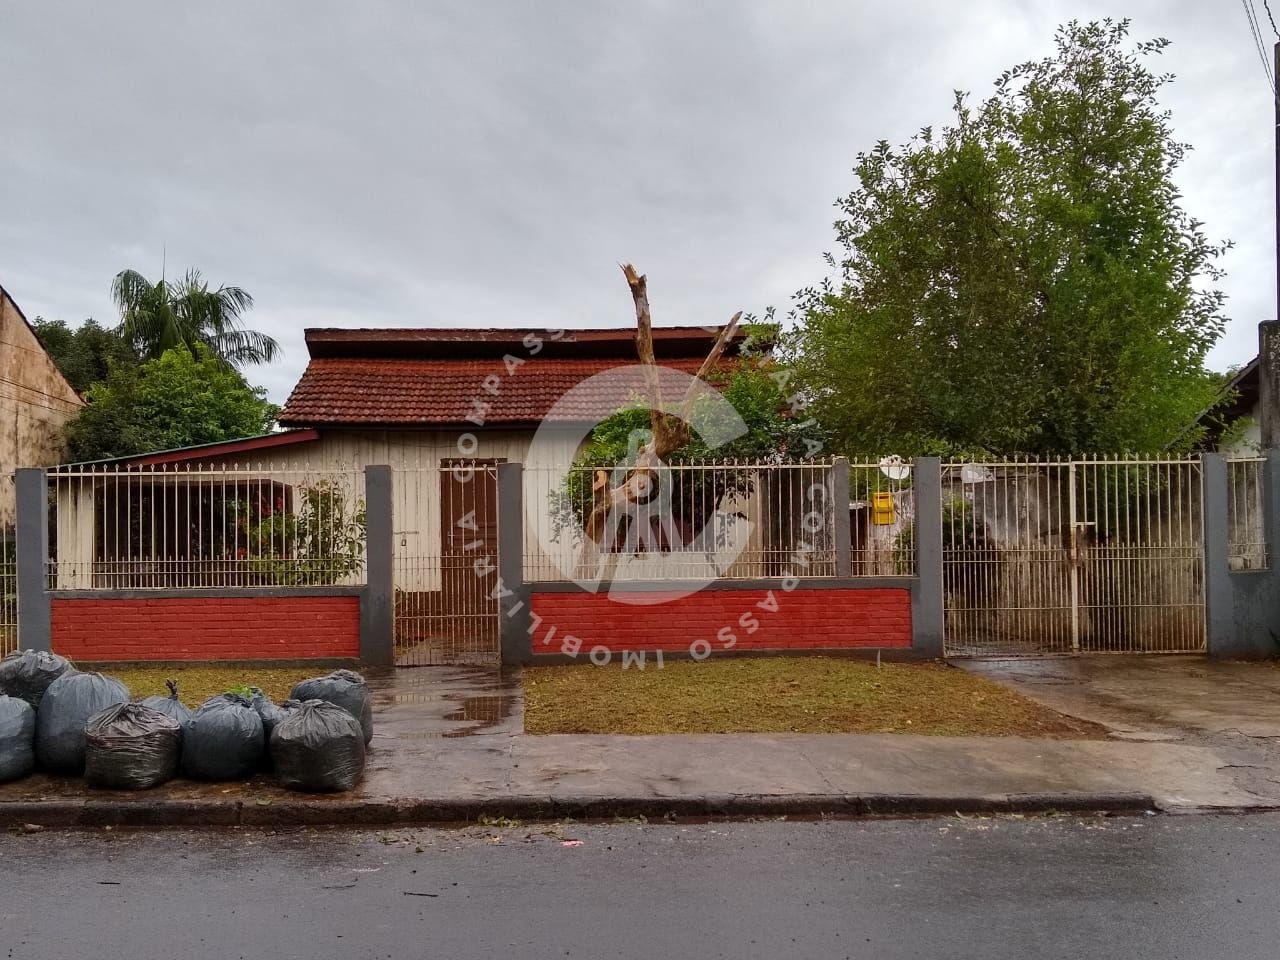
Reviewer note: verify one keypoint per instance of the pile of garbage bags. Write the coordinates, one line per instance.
(56, 718)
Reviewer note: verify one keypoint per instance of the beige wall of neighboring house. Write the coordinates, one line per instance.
(35, 403)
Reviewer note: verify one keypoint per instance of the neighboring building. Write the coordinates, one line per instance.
(1234, 427)
(35, 403)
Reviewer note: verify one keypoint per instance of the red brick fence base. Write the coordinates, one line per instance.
(717, 621)
(280, 625)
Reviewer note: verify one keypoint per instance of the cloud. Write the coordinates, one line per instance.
(490, 164)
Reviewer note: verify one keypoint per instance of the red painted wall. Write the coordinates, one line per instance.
(718, 620)
(207, 628)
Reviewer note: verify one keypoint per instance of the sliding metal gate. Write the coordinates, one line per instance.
(445, 524)
(1066, 557)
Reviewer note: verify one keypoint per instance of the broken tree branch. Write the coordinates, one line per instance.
(670, 431)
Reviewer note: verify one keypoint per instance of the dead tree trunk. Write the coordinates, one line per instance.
(670, 430)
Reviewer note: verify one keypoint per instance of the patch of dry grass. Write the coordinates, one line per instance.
(200, 681)
(784, 695)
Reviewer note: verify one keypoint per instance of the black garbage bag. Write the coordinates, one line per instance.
(267, 710)
(347, 689)
(318, 747)
(66, 707)
(17, 738)
(26, 674)
(131, 747)
(170, 706)
(222, 740)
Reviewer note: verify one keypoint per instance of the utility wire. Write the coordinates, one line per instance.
(1251, 15)
(40, 393)
(1266, 6)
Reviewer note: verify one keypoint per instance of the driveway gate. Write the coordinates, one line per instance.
(445, 526)
(1067, 557)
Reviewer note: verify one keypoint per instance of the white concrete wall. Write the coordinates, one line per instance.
(1248, 441)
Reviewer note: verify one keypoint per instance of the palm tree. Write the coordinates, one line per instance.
(185, 313)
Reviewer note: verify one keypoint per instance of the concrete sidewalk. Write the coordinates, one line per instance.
(448, 746)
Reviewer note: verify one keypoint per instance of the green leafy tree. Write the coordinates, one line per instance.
(175, 400)
(1023, 280)
(170, 314)
(757, 389)
(86, 353)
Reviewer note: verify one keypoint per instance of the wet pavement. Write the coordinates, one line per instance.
(422, 716)
(448, 745)
(1229, 707)
(990, 888)
(1150, 697)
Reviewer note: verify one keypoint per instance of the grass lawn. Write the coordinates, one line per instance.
(784, 695)
(199, 682)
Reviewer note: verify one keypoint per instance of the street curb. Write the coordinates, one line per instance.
(142, 813)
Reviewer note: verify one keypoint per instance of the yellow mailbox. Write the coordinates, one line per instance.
(882, 508)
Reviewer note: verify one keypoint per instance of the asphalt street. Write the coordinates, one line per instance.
(1166, 887)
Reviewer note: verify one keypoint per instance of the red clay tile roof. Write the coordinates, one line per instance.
(440, 392)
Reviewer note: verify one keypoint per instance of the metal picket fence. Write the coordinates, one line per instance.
(8, 591)
(882, 517)
(713, 520)
(1247, 547)
(221, 525)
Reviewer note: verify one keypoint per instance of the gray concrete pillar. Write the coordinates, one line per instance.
(513, 593)
(926, 597)
(840, 496)
(377, 606)
(1242, 607)
(1269, 384)
(32, 545)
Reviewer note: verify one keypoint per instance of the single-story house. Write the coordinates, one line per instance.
(414, 399)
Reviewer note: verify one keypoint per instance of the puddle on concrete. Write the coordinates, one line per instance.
(426, 703)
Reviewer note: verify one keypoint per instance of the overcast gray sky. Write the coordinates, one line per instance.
(484, 163)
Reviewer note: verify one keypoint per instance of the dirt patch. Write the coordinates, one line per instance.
(785, 695)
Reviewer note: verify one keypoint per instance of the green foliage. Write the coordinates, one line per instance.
(176, 400)
(186, 314)
(320, 542)
(757, 389)
(85, 354)
(1024, 280)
